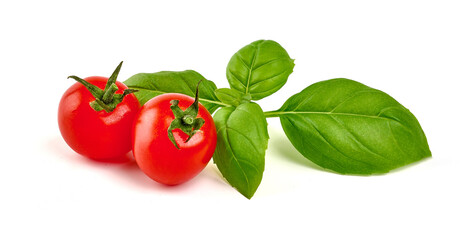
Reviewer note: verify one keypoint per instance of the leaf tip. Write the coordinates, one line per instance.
(247, 194)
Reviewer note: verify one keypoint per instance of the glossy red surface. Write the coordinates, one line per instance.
(96, 135)
(157, 156)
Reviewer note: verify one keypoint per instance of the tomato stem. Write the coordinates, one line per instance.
(109, 93)
(94, 90)
(113, 77)
(185, 120)
(105, 99)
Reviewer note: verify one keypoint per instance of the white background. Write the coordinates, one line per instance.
(413, 50)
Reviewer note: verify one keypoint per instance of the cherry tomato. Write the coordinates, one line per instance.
(155, 152)
(98, 135)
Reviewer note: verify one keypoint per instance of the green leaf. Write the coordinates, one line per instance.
(350, 128)
(241, 145)
(260, 69)
(232, 96)
(150, 85)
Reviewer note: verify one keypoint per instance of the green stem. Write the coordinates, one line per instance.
(187, 120)
(109, 93)
(94, 90)
(156, 93)
(215, 102)
(106, 99)
(271, 114)
(113, 77)
(99, 105)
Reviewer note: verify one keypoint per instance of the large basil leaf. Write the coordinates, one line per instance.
(350, 128)
(260, 69)
(153, 84)
(241, 144)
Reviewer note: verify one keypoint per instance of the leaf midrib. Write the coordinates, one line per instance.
(276, 114)
(250, 70)
(161, 92)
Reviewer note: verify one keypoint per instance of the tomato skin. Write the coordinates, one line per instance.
(96, 135)
(157, 156)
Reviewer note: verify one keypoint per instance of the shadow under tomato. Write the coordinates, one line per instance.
(125, 171)
(119, 160)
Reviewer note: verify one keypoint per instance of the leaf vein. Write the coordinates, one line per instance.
(356, 94)
(235, 157)
(269, 78)
(247, 138)
(250, 72)
(237, 78)
(295, 127)
(266, 63)
(161, 92)
(394, 139)
(239, 56)
(336, 148)
(363, 145)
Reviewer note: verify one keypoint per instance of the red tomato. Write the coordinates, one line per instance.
(95, 134)
(157, 156)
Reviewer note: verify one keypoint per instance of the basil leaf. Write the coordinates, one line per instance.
(260, 69)
(241, 144)
(232, 96)
(350, 128)
(151, 85)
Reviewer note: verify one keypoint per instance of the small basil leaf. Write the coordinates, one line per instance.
(260, 68)
(241, 145)
(150, 85)
(350, 128)
(232, 96)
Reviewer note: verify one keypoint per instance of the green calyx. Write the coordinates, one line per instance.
(106, 99)
(187, 120)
